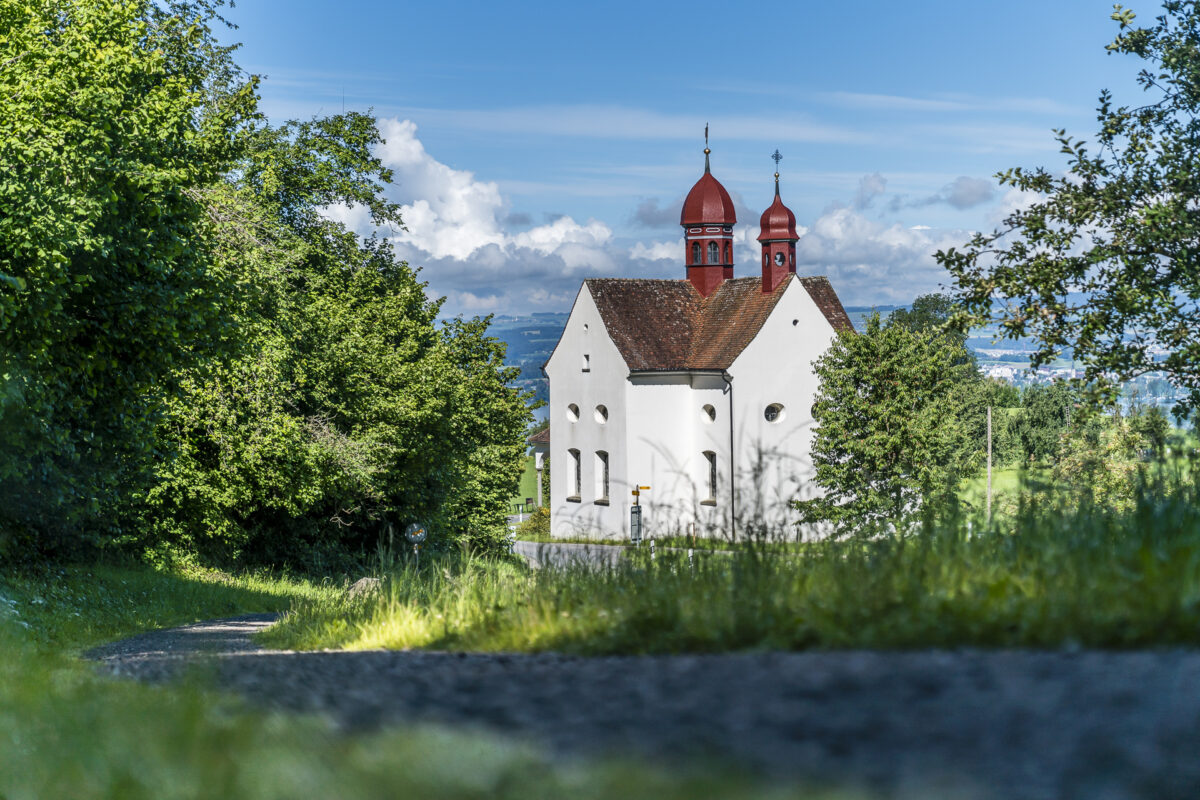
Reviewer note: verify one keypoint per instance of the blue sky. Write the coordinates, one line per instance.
(536, 144)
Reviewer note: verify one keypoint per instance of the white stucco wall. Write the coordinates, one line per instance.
(773, 463)
(668, 434)
(604, 384)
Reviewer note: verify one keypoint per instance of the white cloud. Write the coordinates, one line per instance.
(1013, 200)
(870, 262)
(658, 251)
(547, 239)
(447, 212)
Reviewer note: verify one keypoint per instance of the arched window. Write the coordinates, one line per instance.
(695, 252)
(714, 253)
(576, 475)
(710, 462)
(601, 476)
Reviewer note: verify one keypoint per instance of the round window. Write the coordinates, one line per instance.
(602, 414)
(572, 413)
(773, 412)
(708, 413)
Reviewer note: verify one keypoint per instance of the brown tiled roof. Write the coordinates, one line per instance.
(541, 437)
(660, 325)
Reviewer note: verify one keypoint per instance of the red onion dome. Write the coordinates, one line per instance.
(778, 221)
(707, 203)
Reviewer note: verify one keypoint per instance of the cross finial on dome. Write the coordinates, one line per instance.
(777, 157)
(706, 150)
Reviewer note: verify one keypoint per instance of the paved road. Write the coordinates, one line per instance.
(934, 724)
(564, 554)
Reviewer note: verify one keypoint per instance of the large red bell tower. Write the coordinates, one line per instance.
(708, 219)
(778, 238)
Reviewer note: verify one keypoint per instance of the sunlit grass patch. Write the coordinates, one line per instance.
(1052, 576)
(78, 606)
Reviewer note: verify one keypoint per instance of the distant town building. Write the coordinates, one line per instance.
(701, 389)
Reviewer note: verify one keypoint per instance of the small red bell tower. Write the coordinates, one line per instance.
(778, 237)
(708, 219)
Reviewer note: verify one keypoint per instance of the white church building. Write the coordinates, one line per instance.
(701, 388)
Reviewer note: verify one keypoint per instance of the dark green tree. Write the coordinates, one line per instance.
(112, 113)
(1152, 425)
(1044, 419)
(1107, 261)
(343, 404)
(890, 429)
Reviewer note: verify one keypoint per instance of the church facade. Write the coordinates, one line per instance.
(699, 388)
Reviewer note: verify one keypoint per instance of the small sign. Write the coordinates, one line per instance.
(636, 493)
(415, 533)
(644, 488)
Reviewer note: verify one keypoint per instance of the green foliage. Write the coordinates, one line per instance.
(194, 360)
(896, 425)
(1153, 426)
(343, 405)
(1100, 464)
(1054, 574)
(1044, 420)
(70, 608)
(1106, 262)
(112, 112)
(537, 527)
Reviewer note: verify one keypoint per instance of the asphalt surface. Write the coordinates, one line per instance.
(930, 724)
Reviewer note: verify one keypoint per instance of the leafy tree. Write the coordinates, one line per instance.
(1044, 419)
(890, 433)
(343, 405)
(930, 312)
(1153, 426)
(1098, 463)
(111, 113)
(1106, 262)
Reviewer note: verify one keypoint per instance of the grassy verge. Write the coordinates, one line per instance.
(70, 608)
(1053, 577)
(66, 732)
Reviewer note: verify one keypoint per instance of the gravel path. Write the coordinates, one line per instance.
(980, 724)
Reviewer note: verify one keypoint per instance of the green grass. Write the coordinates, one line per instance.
(67, 732)
(528, 485)
(70, 608)
(1049, 577)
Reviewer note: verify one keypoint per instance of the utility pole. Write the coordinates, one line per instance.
(989, 485)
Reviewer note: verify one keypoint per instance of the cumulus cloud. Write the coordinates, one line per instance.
(967, 192)
(658, 251)
(871, 262)
(962, 193)
(869, 187)
(473, 250)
